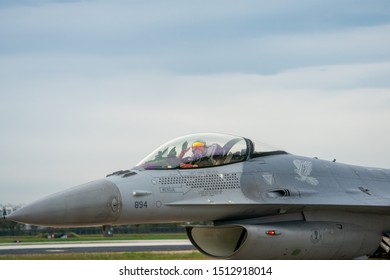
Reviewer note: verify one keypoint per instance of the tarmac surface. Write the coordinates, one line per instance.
(96, 246)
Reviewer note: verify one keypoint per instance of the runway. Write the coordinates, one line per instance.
(96, 246)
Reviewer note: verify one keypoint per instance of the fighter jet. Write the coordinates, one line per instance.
(259, 202)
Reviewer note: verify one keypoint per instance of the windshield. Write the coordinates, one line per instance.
(197, 151)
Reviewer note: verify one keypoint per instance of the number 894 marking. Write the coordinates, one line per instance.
(140, 204)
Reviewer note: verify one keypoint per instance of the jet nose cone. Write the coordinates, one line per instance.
(91, 204)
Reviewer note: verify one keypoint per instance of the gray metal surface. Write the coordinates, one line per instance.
(320, 209)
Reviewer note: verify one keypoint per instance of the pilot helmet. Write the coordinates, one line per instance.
(198, 145)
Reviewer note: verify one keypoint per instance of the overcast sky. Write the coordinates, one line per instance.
(91, 87)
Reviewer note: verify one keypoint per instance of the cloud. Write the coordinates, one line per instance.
(55, 143)
(89, 87)
(191, 38)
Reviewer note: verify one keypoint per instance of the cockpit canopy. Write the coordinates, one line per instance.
(203, 150)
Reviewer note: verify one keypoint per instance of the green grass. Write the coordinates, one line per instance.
(177, 255)
(93, 237)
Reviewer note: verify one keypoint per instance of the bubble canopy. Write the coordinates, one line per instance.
(204, 150)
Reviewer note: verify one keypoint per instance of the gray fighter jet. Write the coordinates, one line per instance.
(261, 203)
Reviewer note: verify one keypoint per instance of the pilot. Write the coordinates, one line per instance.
(198, 158)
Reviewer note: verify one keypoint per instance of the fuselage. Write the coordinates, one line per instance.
(316, 208)
(269, 185)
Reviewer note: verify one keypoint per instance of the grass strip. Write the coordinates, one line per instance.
(161, 255)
